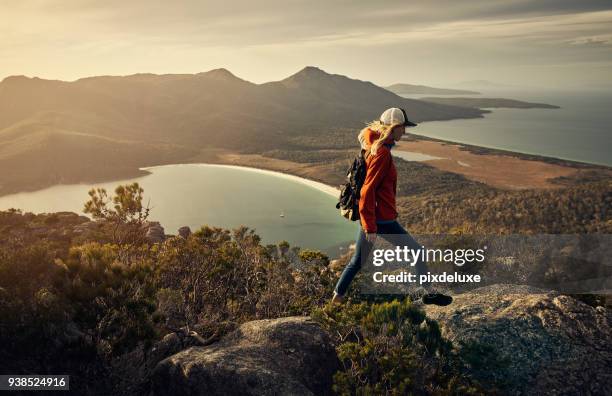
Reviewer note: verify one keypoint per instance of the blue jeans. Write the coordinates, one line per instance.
(363, 246)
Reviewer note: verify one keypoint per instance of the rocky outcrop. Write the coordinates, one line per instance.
(29, 227)
(530, 341)
(154, 232)
(286, 356)
(133, 370)
(184, 232)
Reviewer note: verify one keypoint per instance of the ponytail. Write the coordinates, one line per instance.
(382, 129)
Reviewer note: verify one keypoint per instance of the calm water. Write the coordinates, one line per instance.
(581, 130)
(195, 195)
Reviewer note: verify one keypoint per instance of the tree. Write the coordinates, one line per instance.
(124, 212)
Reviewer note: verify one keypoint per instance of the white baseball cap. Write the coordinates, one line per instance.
(395, 116)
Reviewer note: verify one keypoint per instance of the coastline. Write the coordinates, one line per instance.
(328, 176)
(311, 183)
(518, 154)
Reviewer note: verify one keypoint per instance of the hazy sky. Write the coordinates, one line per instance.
(539, 43)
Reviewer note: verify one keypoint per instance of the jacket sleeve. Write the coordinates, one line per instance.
(377, 168)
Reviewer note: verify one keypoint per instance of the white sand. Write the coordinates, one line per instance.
(311, 183)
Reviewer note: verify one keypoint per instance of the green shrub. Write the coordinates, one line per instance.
(391, 348)
(111, 299)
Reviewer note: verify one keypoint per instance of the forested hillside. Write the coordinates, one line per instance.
(102, 127)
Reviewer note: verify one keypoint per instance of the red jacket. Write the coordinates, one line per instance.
(377, 199)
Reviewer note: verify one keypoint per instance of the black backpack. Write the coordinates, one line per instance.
(348, 203)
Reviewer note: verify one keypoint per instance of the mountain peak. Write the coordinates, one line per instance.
(310, 71)
(22, 82)
(16, 79)
(308, 74)
(220, 73)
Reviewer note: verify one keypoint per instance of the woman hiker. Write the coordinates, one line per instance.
(377, 210)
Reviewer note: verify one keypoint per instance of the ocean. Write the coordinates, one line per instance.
(581, 130)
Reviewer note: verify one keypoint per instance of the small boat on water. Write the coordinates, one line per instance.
(282, 214)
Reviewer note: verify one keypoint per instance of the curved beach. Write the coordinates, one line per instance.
(311, 183)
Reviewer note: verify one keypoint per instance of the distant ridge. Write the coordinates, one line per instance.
(479, 84)
(489, 103)
(409, 89)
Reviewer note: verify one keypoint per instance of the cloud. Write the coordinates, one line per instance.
(262, 39)
(548, 29)
(268, 22)
(593, 40)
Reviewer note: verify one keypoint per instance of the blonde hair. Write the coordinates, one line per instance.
(382, 129)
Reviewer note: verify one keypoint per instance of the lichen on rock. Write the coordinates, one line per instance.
(532, 341)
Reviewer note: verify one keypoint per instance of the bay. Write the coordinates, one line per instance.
(222, 196)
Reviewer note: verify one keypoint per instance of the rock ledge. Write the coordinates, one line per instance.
(548, 343)
(286, 356)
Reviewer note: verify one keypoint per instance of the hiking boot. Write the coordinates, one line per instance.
(337, 299)
(437, 299)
